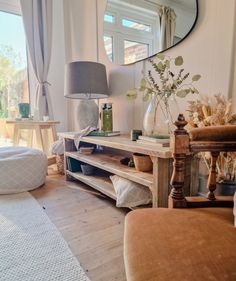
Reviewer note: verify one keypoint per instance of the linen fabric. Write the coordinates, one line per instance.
(37, 19)
(167, 18)
(130, 194)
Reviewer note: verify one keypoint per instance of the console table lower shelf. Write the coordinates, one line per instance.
(102, 184)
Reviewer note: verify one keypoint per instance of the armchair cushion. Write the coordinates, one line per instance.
(214, 133)
(180, 244)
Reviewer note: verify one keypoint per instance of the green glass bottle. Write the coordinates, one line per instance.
(106, 123)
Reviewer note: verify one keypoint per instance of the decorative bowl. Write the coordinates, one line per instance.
(143, 163)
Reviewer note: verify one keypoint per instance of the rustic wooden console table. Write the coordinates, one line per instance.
(109, 160)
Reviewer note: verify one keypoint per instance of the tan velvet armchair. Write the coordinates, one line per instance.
(183, 243)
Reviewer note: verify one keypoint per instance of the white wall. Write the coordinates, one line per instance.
(81, 41)
(232, 88)
(207, 51)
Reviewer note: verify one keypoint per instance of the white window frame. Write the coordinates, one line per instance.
(119, 33)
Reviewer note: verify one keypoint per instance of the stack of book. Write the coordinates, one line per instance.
(154, 141)
(104, 134)
(86, 150)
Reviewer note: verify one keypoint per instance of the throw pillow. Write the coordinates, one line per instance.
(130, 194)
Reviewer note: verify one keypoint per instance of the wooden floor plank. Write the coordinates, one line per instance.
(92, 226)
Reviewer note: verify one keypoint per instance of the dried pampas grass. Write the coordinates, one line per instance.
(214, 111)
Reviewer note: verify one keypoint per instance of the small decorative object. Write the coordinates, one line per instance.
(142, 163)
(134, 134)
(24, 109)
(214, 111)
(106, 117)
(45, 118)
(161, 90)
(87, 170)
(131, 163)
(125, 161)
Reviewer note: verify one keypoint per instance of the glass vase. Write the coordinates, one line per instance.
(158, 119)
(24, 109)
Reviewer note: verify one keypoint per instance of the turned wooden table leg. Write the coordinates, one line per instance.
(211, 183)
(180, 148)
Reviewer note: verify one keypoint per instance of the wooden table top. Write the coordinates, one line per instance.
(32, 122)
(123, 142)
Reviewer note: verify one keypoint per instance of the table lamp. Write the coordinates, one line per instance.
(87, 81)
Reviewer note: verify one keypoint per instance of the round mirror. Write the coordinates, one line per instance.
(137, 29)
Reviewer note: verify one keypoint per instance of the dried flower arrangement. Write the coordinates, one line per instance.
(162, 83)
(214, 111)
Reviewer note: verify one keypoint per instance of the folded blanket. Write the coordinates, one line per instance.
(58, 147)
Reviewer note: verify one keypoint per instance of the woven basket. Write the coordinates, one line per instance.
(143, 163)
(60, 164)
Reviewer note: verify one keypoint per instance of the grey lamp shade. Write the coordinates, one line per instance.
(85, 80)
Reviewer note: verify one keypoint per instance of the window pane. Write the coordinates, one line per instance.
(108, 42)
(134, 51)
(136, 25)
(109, 18)
(13, 65)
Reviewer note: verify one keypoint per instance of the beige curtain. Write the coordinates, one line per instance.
(37, 18)
(167, 27)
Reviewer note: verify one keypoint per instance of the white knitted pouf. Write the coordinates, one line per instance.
(21, 169)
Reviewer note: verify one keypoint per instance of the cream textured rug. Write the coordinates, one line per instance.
(31, 248)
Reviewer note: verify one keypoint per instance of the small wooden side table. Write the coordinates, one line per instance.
(38, 127)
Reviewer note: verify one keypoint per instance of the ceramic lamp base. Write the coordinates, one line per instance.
(87, 114)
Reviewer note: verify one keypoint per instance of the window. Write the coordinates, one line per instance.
(136, 25)
(129, 36)
(109, 18)
(13, 65)
(134, 51)
(108, 41)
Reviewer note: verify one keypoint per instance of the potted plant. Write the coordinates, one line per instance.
(214, 111)
(166, 81)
